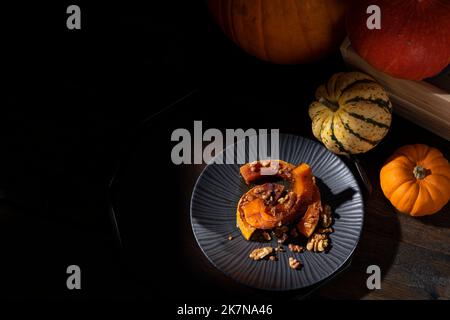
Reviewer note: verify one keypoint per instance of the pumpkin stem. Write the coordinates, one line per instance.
(420, 172)
(334, 106)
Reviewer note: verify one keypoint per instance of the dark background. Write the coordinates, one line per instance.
(72, 111)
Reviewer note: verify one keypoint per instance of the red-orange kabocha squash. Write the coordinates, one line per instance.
(413, 41)
(283, 31)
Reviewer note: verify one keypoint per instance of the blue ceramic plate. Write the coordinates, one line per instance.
(213, 217)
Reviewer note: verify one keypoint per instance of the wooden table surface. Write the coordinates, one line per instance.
(413, 253)
(68, 105)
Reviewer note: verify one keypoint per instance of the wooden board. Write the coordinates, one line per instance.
(418, 101)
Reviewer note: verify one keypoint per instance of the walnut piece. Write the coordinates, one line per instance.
(258, 190)
(265, 163)
(317, 242)
(284, 199)
(325, 230)
(294, 263)
(295, 248)
(326, 217)
(282, 238)
(280, 230)
(230, 237)
(260, 253)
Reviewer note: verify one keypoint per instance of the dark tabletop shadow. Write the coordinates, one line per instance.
(440, 219)
(334, 200)
(378, 245)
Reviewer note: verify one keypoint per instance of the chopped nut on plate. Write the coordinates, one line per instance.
(260, 253)
(295, 248)
(282, 238)
(325, 230)
(273, 258)
(317, 242)
(294, 263)
(230, 237)
(280, 230)
(326, 216)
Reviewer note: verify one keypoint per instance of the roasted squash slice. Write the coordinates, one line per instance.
(263, 215)
(255, 171)
(250, 204)
(309, 221)
(246, 229)
(267, 206)
(303, 182)
(257, 214)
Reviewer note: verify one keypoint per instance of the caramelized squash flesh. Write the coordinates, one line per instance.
(310, 219)
(303, 182)
(267, 206)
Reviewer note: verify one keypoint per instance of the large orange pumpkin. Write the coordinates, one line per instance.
(416, 179)
(283, 31)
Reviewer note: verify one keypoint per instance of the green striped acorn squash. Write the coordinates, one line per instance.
(352, 113)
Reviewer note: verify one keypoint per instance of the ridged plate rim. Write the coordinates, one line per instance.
(325, 275)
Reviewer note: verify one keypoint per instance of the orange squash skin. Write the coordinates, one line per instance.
(283, 31)
(416, 180)
(253, 214)
(303, 182)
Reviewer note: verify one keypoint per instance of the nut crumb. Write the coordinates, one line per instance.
(230, 237)
(280, 230)
(265, 163)
(273, 258)
(260, 253)
(284, 199)
(326, 216)
(258, 190)
(325, 230)
(282, 238)
(294, 263)
(296, 248)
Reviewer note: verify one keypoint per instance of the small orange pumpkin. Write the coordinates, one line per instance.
(416, 180)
